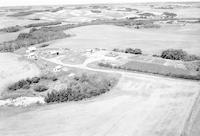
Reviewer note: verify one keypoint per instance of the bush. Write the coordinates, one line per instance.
(118, 50)
(11, 29)
(81, 87)
(129, 50)
(133, 51)
(43, 24)
(155, 55)
(169, 15)
(13, 87)
(178, 55)
(44, 45)
(26, 86)
(64, 95)
(105, 64)
(33, 30)
(95, 11)
(191, 58)
(41, 88)
(29, 80)
(174, 54)
(23, 36)
(18, 85)
(35, 80)
(50, 77)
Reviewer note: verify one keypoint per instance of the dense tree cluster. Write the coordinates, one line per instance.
(35, 36)
(178, 54)
(40, 88)
(174, 54)
(26, 83)
(129, 50)
(133, 51)
(81, 87)
(23, 84)
(11, 29)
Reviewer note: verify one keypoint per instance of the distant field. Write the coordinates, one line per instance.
(12, 69)
(149, 40)
(11, 36)
(9, 21)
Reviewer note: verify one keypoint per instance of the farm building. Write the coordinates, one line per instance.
(57, 68)
(31, 49)
(54, 52)
(32, 55)
(71, 75)
(89, 50)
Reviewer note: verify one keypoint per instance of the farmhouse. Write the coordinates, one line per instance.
(89, 50)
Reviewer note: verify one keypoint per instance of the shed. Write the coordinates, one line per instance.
(32, 49)
(32, 55)
(57, 68)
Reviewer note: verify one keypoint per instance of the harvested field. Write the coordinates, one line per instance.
(151, 68)
(25, 13)
(148, 105)
(63, 58)
(9, 22)
(155, 68)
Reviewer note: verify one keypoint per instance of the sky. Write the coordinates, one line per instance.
(59, 2)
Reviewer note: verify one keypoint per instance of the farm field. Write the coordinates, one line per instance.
(147, 105)
(100, 70)
(11, 36)
(9, 21)
(150, 41)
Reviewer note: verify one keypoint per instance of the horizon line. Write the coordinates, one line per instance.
(98, 3)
